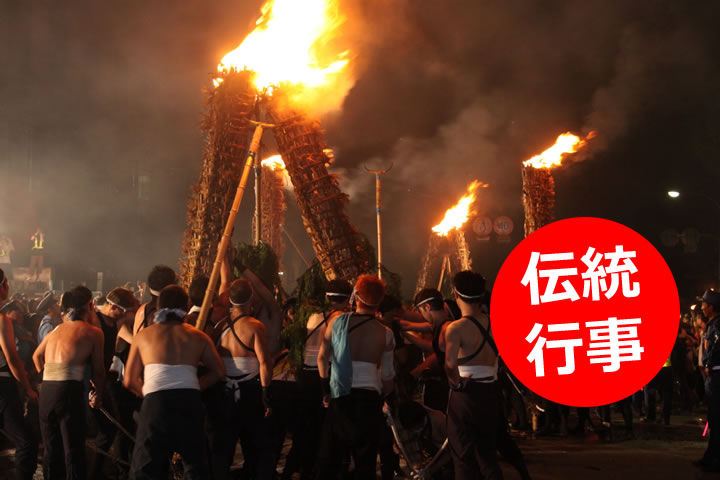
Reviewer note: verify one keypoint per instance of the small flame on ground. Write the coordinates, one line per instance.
(274, 163)
(289, 45)
(457, 215)
(565, 144)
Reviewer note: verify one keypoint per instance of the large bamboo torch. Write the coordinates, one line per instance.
(448, 242)
(230, 107)
(227, 233)
(378, 214)
(267, 225)
(538, 192)
(300, 139)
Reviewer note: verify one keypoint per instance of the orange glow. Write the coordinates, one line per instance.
(290, 44)
(565, 144)
(274, 163)
(457, 215)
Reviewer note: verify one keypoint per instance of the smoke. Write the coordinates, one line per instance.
(102, 104)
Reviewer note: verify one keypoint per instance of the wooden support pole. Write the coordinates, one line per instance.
(224, 242)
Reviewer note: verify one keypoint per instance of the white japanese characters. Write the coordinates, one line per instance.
(612, 341)
(594, 277)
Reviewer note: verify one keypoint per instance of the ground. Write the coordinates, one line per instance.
(656, 452)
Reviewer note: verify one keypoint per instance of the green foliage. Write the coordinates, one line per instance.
(261, 260)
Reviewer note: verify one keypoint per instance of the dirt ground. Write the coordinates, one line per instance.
(657, 452)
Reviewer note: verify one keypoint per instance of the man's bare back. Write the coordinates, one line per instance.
(73, 343)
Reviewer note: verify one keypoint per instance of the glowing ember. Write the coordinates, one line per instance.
(456, 216)
(274, 163)
(289, 44)
(565, 144)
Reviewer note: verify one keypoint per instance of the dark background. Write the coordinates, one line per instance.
(100, 104)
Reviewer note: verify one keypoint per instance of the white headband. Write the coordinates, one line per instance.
(356, 295)
(116, 305)
(336, 294)
(470, 297)
(234, 304)
(154, 293)
(429, 299)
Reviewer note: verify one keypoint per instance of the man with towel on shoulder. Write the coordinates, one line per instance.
(360, 349)
(63, 355)
(162, 368)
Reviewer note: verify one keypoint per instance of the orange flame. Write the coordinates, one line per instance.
(457, 215)
(565, 144)
(289, 44)
(274, 163)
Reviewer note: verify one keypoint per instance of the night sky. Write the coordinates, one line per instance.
(100, 105)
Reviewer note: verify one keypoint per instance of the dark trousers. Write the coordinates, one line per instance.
(17, 429)
(170, 421)
(312, 419)
(712, 454)
(436, 393)
(245, 420)
(62, 424)
(286, 419)
(105, 436)
(626, 406)
(473, 431)
(663, 382)
(352, 423)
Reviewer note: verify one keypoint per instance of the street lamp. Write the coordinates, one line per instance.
(676, 194)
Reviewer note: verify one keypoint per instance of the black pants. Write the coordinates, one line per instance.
(312, 419)
(18, 429)
(170, 421)
(352, 424)
(286, 417)
(712, 454)
(436, 393)
(245, 420)
(626, 406)
(663, 382)
(473, 431)
(62, 424)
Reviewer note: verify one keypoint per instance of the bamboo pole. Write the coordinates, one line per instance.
(292, 240)
(445, 264)
(209, 292)
(258, 200)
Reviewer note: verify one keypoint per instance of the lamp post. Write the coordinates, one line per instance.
(675, 194)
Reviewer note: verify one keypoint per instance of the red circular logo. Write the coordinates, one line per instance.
(585, 312)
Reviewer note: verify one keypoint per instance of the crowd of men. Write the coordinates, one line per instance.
(173, 398)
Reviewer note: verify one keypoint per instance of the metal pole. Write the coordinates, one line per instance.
(225, 240)
(378, 214)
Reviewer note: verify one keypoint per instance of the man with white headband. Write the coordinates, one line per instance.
(361, 350)
(118, 311)
(430, 304)
(162, 368)
(160, 277)
(476, 428)
(243, 347)
(62, 357)
(337, 295)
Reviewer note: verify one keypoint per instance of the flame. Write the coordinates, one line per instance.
(565, 144)
(289, 45)
(457, 215)
(274, 163)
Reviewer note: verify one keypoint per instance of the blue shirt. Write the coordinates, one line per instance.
(47, 325)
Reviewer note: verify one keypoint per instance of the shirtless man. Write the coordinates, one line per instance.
(12, 372)
(361, 351)
(436, 315)
(62, 357)
(471, 364)
(119, 309)
(243, 347)
(338, 294)
(160, 277)
(162, 368)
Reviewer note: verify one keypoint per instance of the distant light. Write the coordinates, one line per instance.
(693, 307)
(281, 273)
(673, 194)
